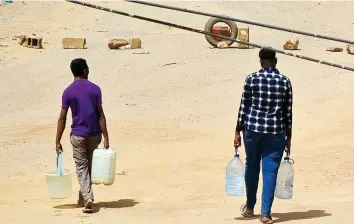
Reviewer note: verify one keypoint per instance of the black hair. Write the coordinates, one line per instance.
(265, 54)
(78, 67)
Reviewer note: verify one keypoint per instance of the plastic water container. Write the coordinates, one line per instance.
(59, 181)
(285, 179)
(235, 180)
(103, 166)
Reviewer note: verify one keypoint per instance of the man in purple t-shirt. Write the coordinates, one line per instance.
(88, 124)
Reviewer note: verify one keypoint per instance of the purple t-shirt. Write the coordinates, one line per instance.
(82, 96)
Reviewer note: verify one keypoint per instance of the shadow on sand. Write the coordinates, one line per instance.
(122, 203)
(292, 216)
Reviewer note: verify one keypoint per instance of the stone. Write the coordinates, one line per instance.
(73, 43)
(117, 43)
(134, 43)
(334, 49)
(350, 49)
(291, 44)
(222, 45)
(243, 35)
(31, 42)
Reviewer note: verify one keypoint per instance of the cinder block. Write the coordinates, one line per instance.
(74, 43)
(31, 42)
(243, 35)
(134, 43)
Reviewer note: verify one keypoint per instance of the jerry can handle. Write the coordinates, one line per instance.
(60, 164)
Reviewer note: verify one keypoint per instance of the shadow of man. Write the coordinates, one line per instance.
(292, 216)
(122, 203)
(310, 214)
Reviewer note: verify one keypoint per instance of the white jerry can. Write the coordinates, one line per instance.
(103, 166)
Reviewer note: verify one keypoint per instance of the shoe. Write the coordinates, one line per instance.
(246, 212)
(88, 206)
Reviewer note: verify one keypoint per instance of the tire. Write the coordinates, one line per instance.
(209, 26)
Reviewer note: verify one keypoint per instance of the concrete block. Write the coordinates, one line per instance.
(243, 35)
(134, 43)
(31, 42)
(73, 43)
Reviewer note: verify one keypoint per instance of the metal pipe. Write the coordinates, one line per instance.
(241, 21)
(207, 33)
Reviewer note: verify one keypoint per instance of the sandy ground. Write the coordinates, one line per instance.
(172, 126)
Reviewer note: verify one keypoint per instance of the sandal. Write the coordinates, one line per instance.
(88, 206)
(81, 203)
(266, 219)
(245, 212)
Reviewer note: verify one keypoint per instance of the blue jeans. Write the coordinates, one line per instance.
(269, 148)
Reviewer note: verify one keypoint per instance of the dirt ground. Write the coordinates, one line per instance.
(172, 126)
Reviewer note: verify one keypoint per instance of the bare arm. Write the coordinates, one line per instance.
(103, 125)
(60, 128)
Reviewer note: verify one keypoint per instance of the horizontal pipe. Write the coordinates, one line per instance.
(209, 34)
(242, 21)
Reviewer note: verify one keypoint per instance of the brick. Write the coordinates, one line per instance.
(73, 43)
(31, 42)
(134, 43)
(243, 35)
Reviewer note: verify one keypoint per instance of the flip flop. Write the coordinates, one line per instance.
(88, 206)
(245, 213)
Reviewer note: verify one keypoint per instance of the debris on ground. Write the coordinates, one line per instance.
(117, 43)
(31, 42)
(73, 43)
(125, 47)
(243, 35)
(122, 173)
(291, 44)
(135, 43)
(222, 45)
(334, 49)
(350, 49)
(174, 63)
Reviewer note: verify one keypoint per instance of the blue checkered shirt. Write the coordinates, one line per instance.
(266, 104)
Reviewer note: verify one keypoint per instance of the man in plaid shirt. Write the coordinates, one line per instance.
(265, 118)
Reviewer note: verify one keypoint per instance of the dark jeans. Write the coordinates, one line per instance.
(269, 148)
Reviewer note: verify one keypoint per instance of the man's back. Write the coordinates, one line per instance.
(83, 96)
(267, 97)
